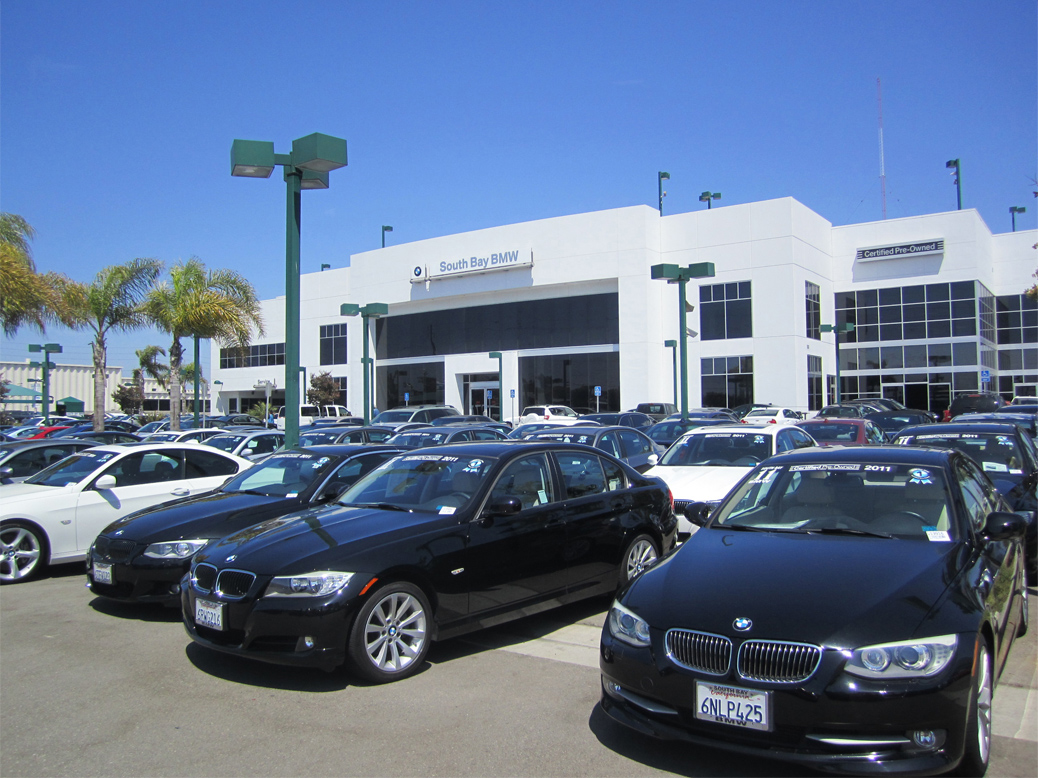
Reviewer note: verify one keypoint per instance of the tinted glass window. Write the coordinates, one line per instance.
(528, 480)
(203, 464)
(582, 474)
(145, 468)
(635, 443)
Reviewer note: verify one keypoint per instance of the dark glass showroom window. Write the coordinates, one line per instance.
(726, 381)
(262, 355)
(570, 379)
(333, 344)
(814, 383)
(421, 382)
(921, 312)
(725, 311)
(587, 320)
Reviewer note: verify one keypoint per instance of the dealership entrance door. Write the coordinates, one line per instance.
(482, 399)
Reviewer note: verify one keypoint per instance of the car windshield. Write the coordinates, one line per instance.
(419, 439)
(440, 483)
(568, 435)
(832, 432)
(281, 474)
(996, 453)
(71, 470)
(392, 416)
(846, 498)
(159, 437)
(317, 438)
(721, 449)
(224, 442)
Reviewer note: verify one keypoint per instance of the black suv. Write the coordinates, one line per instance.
(975, 402)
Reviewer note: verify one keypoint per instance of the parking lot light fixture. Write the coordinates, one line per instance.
(46, 366)
(1013, 211)
(953, 164)
(708, 198)
(385, 228)
(661, 176)
(675, 274)
(306, 167)
(836, 329)
(369, 311)
(673, 346)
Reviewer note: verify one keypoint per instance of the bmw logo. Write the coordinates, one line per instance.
(417, 272)
(742, 624)
(231, 558)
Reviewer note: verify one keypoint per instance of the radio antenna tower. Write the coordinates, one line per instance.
(882, 168)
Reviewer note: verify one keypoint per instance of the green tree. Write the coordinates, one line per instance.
(26, 297)
(113, 302)
(324, 390)
(128, 397)
(217, 304)
(149, 367)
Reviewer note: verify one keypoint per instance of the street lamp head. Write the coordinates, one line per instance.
(349, 309)
(252, 158)
(495, 355)
(386, 228)
(374, 310)
(952, 164)
(670, 343)
(313, 180)
(325, 266)
(319, 152)
(664, 176)
(1016, 209)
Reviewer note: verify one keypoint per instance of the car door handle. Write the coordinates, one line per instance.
(180, 491)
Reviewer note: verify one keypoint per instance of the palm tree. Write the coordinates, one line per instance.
(218, 304)
(26, 297)
(149, 367)
(114, 301)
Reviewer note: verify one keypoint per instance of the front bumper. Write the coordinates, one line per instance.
(296, 631)
(137, 578)
(829, 723)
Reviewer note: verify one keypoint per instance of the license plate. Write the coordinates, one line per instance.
(103, 574)
(739, 707)
(209, 614)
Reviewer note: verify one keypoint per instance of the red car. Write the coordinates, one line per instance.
(832, 431)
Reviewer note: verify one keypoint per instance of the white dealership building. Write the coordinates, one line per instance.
(937, 303)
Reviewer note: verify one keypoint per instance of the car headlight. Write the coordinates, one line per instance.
(309, 585)
(626, 625)
(175, 549)
(905, 659)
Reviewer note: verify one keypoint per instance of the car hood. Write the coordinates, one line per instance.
(699, 483)
(318, 538)
(22, 492)
(210, 515)
(835, 591)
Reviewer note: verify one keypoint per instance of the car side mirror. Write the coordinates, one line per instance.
(105, 482)
(507, 506)
(698, 513)
(1002, 525)
(653, 460)
(5, 474)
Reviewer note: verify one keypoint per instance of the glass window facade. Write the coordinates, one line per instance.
(421, 382)
(570, 379)
(813, 304)
(263, 355)
(725, 311)
(333, 344)
(814, 383)
(587, 320)
(726, 381)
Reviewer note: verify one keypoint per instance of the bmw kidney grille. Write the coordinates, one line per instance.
(769, 661)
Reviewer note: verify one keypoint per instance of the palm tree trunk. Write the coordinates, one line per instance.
(176, 356)
(100, 367)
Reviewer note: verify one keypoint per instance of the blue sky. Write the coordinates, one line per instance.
(116, 119)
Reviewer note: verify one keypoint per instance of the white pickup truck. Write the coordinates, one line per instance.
(310, 413)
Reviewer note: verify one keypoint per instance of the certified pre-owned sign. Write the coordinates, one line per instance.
(503, 260)
(897, 252)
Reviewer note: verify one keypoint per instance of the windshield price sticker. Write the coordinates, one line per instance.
(209, 614)
(428, 458)
(732, 705)
(936, 535)
(807, 468)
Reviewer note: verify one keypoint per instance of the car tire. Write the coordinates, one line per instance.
(977, 752)
(641, 554)
(23, 551)
(391, 633)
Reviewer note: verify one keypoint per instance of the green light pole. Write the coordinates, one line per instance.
(500, 384)
(46, 366)
(836, 329)
(708, 198)
(673, 346)
(369, 311)
(306, 167)
(385, 228)
(673, 274)
(660, 178)
(953, 164)
(1013, 211)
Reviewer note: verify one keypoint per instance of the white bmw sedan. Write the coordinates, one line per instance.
(54, 516)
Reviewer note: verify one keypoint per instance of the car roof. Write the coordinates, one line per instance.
(974, 427)
(340, 449)
(7, 445)
(884, 454)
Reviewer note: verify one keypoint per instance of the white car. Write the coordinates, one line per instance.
(772, 416)
(557, 413)
(169, 436)
(705, 463)
(253, 444)
(53, 517)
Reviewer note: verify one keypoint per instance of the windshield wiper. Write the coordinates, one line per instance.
(384, 506)
(846, 531)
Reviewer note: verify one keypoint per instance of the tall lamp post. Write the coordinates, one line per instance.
(836, 329)
(385, 228)
(369, 311)
(306, 167)
(217, 388)
(708, 198)
(660, 178)
(500, 384)
(673, 346)
(674, 274)
(46, 365)
(953, 164)
(1013, 211)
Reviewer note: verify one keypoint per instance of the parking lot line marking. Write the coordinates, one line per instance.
(1016, 713)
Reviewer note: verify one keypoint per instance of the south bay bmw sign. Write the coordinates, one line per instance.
(504, 260)
(897, 252)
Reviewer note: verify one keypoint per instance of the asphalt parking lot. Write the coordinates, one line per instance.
(92, 688)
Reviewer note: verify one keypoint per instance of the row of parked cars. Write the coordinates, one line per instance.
(842, 607)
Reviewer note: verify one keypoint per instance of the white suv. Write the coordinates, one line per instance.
(557, 413)
(413, 414)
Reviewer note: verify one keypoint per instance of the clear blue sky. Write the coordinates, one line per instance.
(116, 119)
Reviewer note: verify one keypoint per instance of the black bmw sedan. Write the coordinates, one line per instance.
(142, 557)
(849, 610)
(432, 544)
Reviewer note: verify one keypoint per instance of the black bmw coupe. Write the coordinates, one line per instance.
(849, 610)
(433, 543)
